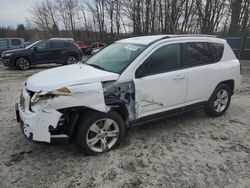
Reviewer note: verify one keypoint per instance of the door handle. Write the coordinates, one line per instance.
(179, 77)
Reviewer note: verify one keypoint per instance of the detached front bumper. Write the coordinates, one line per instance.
(36, 125)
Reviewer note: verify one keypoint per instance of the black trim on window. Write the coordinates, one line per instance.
(164, 61)
(210, 54)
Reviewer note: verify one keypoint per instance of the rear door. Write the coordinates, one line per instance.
(43, 54)
(203, 70)
(58, 50)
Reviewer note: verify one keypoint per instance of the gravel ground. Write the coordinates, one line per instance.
(191, 150)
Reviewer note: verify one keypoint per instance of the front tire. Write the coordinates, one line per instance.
(219, 101)
(99, 132)
(22, 63)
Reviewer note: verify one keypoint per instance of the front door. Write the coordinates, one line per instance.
(160, 82)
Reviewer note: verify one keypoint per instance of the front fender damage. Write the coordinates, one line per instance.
(86, 95)
(45, 114)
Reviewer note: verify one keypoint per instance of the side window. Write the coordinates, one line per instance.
(164, 59)
(193, 53)
(4, 43)
(43, 45)
(60, 44)
(217, 51)
(15, 42)
(201, 53)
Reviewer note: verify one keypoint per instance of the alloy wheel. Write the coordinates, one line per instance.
(102, 135)
(71, 60)
(23, 63)
(221, 100)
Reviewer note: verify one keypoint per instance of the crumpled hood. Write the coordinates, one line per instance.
(52, 79)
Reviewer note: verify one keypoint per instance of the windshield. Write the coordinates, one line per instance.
(31, 45)
(116, 57)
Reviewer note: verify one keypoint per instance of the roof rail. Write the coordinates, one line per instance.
(182, 35)
(194, 35)
(165, 37)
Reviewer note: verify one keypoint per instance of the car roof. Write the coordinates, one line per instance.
(62, 39)
(12, 38)
(147, 40)
(56, 40)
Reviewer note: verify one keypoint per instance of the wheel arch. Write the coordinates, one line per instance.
(72, 54)
(75, 113)
(230, 83)
(22, 56)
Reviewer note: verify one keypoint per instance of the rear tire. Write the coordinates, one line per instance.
(70, 60)
(219, 101)
(99, 132)
(22, 63)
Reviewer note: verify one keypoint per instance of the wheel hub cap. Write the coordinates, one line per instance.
(221, 101)
(102, 135)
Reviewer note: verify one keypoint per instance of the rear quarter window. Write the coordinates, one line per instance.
(201, 53)
(60, 44)
(217, 50)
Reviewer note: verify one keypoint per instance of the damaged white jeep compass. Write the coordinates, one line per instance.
(130, 82)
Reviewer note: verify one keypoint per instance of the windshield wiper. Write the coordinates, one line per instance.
(96, 66)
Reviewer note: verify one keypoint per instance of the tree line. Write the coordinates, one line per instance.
(113, 19)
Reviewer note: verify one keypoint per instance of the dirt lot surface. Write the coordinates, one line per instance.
(191, 150)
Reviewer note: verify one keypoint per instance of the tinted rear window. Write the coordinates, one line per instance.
(193, 53)
(217, 51)
(200, 53)
(60, 44)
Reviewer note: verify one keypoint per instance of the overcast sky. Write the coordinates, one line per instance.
(13, 12)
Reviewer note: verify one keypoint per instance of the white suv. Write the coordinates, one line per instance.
(130, 82)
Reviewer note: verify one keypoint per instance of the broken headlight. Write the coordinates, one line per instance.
(50, 95)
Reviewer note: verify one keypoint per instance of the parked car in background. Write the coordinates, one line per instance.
(95, 47)
(85, 48)
(10, 43)
(98, 45)
(43, 52)
(128, 83)
(95, 50)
